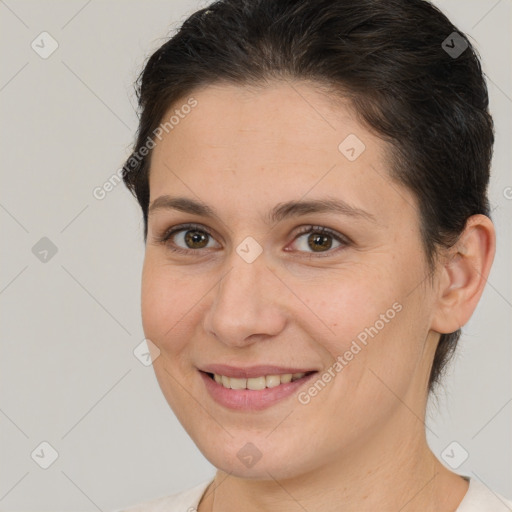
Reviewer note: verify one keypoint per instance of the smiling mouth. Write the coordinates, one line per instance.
(257, 383)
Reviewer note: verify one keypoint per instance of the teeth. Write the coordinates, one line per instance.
(256, 383)
(271, 381)
(287, 377)
(237, 383)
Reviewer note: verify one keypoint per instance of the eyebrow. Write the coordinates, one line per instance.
(280, 212)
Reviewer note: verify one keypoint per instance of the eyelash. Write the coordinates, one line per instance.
(164, 239)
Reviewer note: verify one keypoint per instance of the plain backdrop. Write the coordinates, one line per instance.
(71, 266)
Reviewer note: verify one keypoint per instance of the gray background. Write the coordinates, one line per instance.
(69, 325)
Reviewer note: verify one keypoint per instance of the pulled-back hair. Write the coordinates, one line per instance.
(390, 58)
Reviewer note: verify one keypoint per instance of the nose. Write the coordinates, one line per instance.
(248, 304)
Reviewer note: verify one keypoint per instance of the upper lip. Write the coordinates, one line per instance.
(251, 371)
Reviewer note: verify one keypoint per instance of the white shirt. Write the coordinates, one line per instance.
(478, 498)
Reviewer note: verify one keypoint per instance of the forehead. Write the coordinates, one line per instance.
(275, 143)
(278, 118)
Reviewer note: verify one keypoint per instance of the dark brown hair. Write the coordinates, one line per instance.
(395, 60)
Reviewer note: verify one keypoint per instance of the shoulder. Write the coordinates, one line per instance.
(179, 502)
(479, 498)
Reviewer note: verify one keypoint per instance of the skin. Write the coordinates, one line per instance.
(360, 444)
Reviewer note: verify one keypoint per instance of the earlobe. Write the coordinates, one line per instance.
(464, 274)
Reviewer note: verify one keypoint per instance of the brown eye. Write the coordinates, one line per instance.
(196, 239)
(319, 240)
(186, 238)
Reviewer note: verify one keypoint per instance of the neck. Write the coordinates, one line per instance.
(387, 472)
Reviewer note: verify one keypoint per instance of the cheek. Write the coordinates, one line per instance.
(369, 319)
(379, 350)
(345, 305)
(166, 299)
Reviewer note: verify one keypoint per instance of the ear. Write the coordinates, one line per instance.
(464, 274)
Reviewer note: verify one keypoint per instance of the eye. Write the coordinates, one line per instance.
(320, 240)
(191, 236)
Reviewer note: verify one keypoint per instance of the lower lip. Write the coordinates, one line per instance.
(248, 399)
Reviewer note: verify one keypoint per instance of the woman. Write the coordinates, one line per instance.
(313, 178)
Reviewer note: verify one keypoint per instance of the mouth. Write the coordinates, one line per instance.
(254, 388)
(257, 383)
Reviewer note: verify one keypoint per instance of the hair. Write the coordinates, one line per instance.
(387, 57)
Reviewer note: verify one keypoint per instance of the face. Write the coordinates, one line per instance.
(269, 288)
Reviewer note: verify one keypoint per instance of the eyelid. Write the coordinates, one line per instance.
(315, 228)
(181, 227)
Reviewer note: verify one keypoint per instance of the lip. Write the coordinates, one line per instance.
(252, 400)
(251, 371)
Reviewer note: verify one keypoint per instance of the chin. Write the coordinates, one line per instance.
(256, 460)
